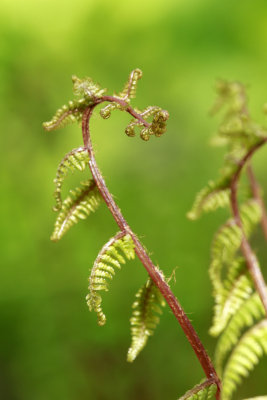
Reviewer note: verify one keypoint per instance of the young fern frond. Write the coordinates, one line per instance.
(249, 312)
(76, 159)
(87, 93)
(111, 256)
(145, 317)
(213, 196)
(78, 205)
(247, 353)
(203, 391)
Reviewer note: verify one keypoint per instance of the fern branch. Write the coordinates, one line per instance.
(145, 317)
(246, 354)
(78, 205)
(75, 159)
(111, 256)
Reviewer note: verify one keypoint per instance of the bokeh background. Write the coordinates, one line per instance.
(50, 345)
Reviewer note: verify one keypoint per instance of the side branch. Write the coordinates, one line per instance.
(154, 273)
(246, 249)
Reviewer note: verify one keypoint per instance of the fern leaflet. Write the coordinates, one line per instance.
(145, 317)
(203, 391)
(247, 353)
(213, 196)
(78, 205)
(248, 313)
(111, 256)
(75, 159)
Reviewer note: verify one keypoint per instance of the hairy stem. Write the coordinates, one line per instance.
(255, 188)
(246, 249)
(154, 273)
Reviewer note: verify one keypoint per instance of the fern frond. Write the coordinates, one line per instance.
(145, 317)
(250, 311)
(245, 356)
(225, 243)
(111, 256)
(129, 89)
(237, 287)
(213, 196)
(203, 391)
(87, 91)
(78, 205)
(75, 159)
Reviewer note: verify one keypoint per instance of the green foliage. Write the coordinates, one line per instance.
(203, 391)
(111, 256)
(87, 93)
(78, 205)
(76, 159)
(213, 196)
(247, 353)
(238, 312)
(145, 317)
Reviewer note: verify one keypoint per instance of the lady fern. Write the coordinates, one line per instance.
(238, 285)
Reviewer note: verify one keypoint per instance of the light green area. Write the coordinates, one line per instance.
(51, 347)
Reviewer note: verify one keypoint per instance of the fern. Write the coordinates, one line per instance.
(87, 93)
(78, 205)
(111, 256)
(145, 317)
(249, 312)
(75, 159)
(247, 353)
(203, 391)
(213, 196)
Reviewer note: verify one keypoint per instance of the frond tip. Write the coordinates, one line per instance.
(145, 317)
(78, 205)
(111, 256)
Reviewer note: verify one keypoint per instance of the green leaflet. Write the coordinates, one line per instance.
(250, 213)
(250, 311)
(145, 317)
(247, 353)
(111, 256)
(87, 93)
(203, 391)
(213, 196)
(78, 205)
(75, 159)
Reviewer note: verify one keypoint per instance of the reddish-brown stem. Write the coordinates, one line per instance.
(154, 273)
(246, 249)
(255, 188)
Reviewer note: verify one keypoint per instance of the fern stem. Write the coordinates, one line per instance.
(153, 272)
(255, 188)
(246, 249)
(197, 389)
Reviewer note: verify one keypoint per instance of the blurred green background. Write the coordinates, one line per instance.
(50, 345)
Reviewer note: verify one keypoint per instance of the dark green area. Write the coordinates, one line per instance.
(51, 347)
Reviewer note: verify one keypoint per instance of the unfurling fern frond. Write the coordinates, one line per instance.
(203, 391)
(213, 196)
(75, 159)
(249, 312)
(247, 353)
(145, 317)
(78, 205)
(87, 92)
(111, 256)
